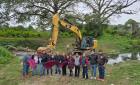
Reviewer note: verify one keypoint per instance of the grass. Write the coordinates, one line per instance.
(5, 56)
(108, 42)
(127, 73)
(10, 74)
(113, 43)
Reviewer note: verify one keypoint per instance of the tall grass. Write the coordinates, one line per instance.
(5, 56)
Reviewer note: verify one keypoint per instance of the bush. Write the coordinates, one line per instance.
(32, 43)
(21, 32)
(5, 56)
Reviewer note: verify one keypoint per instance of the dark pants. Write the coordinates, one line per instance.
(101, 71)
(48, 71)
(64, 70)
(85, 72)
(71, 72)
(77, 71)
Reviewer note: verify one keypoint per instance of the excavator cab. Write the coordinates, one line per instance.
(87, 42)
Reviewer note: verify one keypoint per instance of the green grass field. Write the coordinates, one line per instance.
(127, 73)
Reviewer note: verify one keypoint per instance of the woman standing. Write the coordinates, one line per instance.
(71, 64)
(32, 65)
(85, 63)
(64, 64)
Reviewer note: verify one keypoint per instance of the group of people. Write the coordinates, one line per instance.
(43, 64)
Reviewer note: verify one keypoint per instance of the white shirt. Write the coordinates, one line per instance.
(77, 60)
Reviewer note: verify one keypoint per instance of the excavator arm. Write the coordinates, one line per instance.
(53, 40)
(55, 30)
(72, 28)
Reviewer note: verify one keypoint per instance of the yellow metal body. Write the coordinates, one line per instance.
(53, 40)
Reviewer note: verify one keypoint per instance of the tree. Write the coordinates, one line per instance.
(102, 10)
(39, 10)
(4, 14)
(132, 26)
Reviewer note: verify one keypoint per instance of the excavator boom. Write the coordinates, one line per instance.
(53, 40)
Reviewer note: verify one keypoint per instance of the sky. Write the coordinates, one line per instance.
(124, 17)
(121, 19)
(114, 20)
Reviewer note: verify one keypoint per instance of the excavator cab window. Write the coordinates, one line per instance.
(87, 42)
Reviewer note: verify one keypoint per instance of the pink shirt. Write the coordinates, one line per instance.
(32, 63)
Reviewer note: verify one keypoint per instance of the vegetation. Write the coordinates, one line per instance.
(5, 56)
(126, 73)
(111, 41)
(21, 32)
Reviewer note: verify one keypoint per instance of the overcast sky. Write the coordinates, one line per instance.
(114, 19)
(124, 17)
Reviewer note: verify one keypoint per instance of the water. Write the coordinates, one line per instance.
(122, 58)
(21, 54)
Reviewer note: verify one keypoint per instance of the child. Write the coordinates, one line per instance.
(102, 60)
(71, 64)
(85, 64)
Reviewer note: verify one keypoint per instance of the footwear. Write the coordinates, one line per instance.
(91, 78)
(100, 79)
(95, 78)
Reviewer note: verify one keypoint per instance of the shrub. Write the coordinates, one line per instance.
(5, 56)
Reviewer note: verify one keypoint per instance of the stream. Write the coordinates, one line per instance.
(115, 59)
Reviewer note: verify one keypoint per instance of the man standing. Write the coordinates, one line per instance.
(77, 65)
(93, 63)
(102, 60)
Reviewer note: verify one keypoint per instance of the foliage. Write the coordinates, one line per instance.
(5, 56)
(114, 43)
(21, 32)
(135, 45)
(93, 29)
(32, 43)
(102, 10)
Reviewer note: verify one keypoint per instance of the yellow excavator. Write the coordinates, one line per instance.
(82, 43)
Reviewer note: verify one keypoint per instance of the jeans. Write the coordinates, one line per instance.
(85, 72)
(93, 70)
(34, 71)
(101, 71)
(41, 69)
(77, 71)
(25, 69)
(57, 69)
